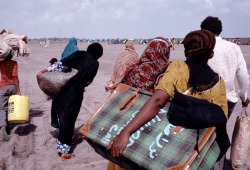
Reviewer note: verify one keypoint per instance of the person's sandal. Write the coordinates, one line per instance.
(66, 156)
(4, 133)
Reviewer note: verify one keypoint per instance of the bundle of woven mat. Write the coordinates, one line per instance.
(10, 41)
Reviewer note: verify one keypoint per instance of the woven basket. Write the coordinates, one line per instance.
(51, 83)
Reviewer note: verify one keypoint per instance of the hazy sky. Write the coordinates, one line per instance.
(121, 18)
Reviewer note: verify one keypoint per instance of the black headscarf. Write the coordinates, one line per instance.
(85, 62)
(199, 47)
(76, 58)
(96, 50)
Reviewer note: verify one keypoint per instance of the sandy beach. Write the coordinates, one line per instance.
(32, 146)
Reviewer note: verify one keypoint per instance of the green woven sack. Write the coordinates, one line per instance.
(157, 144)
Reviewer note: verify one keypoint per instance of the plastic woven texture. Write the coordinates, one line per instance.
(51, 83)
(240, 147)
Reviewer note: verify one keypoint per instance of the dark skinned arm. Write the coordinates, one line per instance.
(16, 80)
(41, 72)
(147, 112)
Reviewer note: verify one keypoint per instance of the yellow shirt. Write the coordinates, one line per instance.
(176, 79)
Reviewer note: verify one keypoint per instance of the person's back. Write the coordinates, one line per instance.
(176, 79)
(153, 62)
(9, 85)
(124, 62)
(86, 63)
(68, 102)
(229, 63)
(6, 70)
(173, 43)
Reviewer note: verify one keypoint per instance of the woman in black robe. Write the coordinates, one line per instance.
(66, 105)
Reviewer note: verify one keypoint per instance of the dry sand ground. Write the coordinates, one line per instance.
(33, 146)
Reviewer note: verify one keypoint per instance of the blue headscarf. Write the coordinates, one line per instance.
(70, 48)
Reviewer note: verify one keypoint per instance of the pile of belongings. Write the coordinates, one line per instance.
(10, 41)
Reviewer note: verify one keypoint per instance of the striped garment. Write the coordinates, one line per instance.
(124, 62)
(8, 70)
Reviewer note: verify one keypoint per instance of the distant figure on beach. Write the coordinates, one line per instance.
(238, 41)
(178, 41)
(229, 63)
(153, 62)
(124, 62)
(45, 43)
(9, 85)
(68, 102)
(70, 48)
(179, 77)
(173, 43)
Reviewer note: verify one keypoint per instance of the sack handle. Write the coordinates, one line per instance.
(129, 99)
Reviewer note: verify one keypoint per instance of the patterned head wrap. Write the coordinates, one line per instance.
(154, 61)
(199, 43)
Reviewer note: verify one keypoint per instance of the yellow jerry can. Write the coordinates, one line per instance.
(18, 109)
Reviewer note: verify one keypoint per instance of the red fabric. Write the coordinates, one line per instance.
(8, 70)
(152, 63)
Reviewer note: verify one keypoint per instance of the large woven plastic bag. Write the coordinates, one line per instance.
(10, 41)
(51, 83)
(240, 146)
(4, 50)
